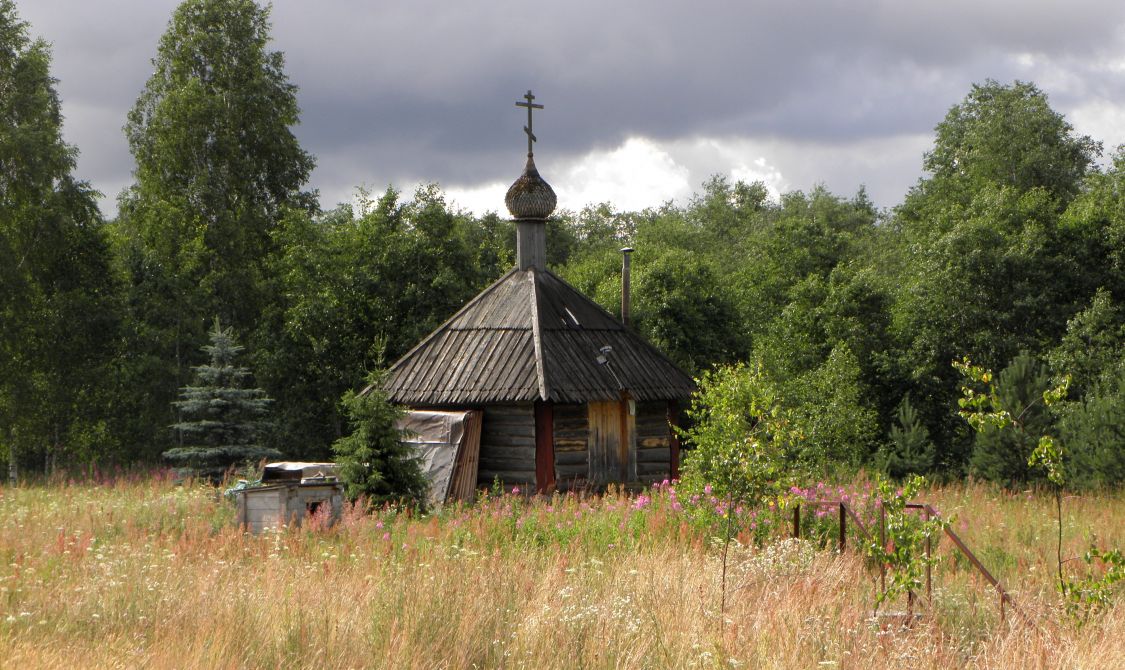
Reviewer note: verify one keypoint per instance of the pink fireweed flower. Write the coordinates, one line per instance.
(386, 536)
(707, 489)
(515, 490)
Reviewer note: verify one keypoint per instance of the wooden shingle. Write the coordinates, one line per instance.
(531, 336)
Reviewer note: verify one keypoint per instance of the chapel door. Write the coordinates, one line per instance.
(612, 442)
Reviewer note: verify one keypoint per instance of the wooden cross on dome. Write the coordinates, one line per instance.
(527, 129)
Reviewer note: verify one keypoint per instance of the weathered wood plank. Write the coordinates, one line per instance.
(498, 440)
(509, 411)
(525, 429)
(653, 455)
(653, 469)
(570, 472)
(571, 458)
(508, 477)
(508, 452)
(571, 434)
(570, 445)
(653, 442)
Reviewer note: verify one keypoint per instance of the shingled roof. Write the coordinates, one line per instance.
(531, 336)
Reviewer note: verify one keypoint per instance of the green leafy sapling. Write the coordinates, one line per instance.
(901, 549)
(743, 445)
(981, 407)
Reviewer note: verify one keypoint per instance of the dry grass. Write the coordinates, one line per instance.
(146, 574)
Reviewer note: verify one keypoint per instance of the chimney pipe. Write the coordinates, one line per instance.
(626, 293)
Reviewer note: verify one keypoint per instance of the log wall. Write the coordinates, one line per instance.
(507, 446)
(572, 460)
(654, 442)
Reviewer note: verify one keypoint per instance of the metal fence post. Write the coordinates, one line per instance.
(843, 528)
(882, 548)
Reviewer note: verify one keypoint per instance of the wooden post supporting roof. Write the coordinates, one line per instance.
(673, 440)
(544, 447)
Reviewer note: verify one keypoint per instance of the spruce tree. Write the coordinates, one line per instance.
(910, 450)
(222, 420)
(374, 460)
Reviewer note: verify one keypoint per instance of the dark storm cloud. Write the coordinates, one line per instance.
(424, 90)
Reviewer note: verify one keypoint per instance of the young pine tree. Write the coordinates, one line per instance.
(222, 421)
(1003, 455)
(910, 450)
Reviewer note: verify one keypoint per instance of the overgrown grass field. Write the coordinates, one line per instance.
(142, 573)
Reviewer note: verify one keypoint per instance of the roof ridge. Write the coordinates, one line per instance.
(536, 339)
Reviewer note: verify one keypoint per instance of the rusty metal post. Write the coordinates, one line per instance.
(797, 520)
(843, 529)
(929, 565)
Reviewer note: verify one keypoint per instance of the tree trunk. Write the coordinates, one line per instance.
(13, 475)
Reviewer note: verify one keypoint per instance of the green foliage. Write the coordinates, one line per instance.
(223, 420)
(829, 408)
(1008, 135)
(1095, 592)
(1091, 592)
(217, 162)
(356, 290)
(744, 445)
(902, 548)
(1015, 399)
(58, 305)
(1093, 344)
(682, 310)
(217, 167)
(1094, 434)
(910, 450)
(374, 461)
(990, 269)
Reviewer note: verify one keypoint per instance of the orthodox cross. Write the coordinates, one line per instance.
(527, 129)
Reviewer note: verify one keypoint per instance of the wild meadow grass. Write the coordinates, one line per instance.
(140, 572)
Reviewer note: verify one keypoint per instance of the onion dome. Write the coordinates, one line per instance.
(530, 197)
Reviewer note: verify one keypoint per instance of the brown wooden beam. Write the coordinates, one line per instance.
(674, 440)
(544, 447)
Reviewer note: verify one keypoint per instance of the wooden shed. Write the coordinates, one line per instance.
(571, 396)
(289, 492)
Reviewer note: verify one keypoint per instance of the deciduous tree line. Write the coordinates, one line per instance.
(1010, 249)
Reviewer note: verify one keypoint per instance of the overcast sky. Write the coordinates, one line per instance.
(645, 99)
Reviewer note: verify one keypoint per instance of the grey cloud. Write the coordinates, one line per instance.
(424, 90)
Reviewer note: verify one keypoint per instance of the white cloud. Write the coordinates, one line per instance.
(1101, 119)
(643, 172)
(640, 173)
